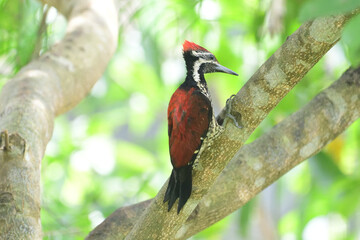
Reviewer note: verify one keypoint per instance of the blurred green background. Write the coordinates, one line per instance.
(112, 149)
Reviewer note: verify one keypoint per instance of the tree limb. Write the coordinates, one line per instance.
(297, 138)
(46, 87)
(275, 78)
(263, 161)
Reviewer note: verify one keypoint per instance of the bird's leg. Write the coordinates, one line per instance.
(228, 114)
(215, 129)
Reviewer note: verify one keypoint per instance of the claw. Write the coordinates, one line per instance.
(228, 112)
(230, 99)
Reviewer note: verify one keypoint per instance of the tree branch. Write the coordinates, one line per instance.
(275, 78)
(46, 87)
(297, 138)
(263, 161)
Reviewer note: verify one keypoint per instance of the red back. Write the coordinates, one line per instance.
(189, 115)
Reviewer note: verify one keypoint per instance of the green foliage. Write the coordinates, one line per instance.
(18, 33)
(351, 46)
(246, 213)
(112, 149)
(316, 8)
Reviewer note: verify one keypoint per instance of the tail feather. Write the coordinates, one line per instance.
(170, 188)
(185, 178)
(180, 186)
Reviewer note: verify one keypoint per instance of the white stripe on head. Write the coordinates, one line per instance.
(196, 76)
(196, 68)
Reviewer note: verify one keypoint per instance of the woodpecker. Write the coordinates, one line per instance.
(191, 121)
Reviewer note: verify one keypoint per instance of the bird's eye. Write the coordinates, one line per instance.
(212, 57)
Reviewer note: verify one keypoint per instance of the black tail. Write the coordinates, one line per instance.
(180, 185)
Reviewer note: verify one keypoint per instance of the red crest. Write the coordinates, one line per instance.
(190, 46)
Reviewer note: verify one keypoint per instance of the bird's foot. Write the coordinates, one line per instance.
(228, 114)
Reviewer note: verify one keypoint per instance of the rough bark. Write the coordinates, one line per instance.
(297, 138)
(45, 88)
(263, 161)
(274, 79)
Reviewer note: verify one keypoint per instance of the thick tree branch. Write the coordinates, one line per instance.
(297, 138)
(275, 78)
(263, 161)
(46, 87)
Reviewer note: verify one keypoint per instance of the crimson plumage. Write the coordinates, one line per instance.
(189, 116)
(190, 46)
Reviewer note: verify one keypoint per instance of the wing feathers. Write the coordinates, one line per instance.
(189, 116)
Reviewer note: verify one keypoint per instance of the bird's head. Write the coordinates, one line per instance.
(200, 60)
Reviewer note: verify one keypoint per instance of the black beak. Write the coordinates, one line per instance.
(219, 68)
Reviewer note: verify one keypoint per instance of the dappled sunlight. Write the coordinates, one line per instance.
(96, 217)
(209, 10)
(100, 88)
(330, 227)
(139, 102)
(173, 71)
(97, 153)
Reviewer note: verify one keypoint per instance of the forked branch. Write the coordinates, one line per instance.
(274, 79)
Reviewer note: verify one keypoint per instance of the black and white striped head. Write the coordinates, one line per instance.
(199, 61)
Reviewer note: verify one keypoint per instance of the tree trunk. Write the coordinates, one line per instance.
(43, 89)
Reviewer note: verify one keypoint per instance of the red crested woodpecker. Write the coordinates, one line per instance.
(190, 120)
